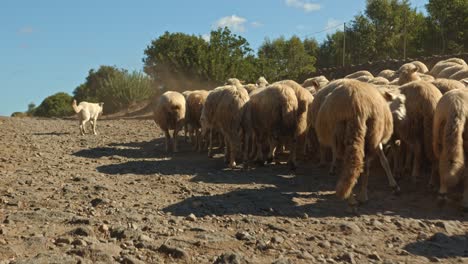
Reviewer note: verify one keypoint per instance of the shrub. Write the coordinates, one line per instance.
(57, 105)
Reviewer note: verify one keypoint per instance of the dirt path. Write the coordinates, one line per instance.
(117, 197)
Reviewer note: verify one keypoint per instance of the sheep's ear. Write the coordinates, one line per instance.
(389, 96)
(465, 81)
(316, 84)
(415, 69)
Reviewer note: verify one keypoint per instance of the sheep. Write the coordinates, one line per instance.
(318, 82)
(194, 105)
(223, 111)
(445, 85)
(447, 72)
(450, 141)
(273, 112)
(304, 100)
(441, 65)
(426, 77)
(169, 113)
(250, 87)
(388, 74)
(355, 121)
(460, 75)
(319, 98)
(364, 78)
(379, 81)
(359, 74)
(415, 105)
(422, 68)
(407, 73)
(262, 82)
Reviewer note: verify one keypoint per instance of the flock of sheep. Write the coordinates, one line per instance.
(413, 117)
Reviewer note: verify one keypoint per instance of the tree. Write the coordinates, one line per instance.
(31, 109)
(89, 90)
(57, 105)
(285, 59)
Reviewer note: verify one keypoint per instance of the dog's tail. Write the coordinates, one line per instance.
(76, 108)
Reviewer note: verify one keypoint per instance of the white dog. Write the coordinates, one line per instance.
(87, 112)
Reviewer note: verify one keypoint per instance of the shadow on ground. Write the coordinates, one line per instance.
(310, 184)
(440, 246)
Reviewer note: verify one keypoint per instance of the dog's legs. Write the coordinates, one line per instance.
(168, 139)
(386, 167)
(83, 127)
(93, 122)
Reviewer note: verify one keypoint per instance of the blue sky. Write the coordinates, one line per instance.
(48, 46)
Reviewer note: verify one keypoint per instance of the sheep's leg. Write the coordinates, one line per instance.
(416, 162)
(221, 140)
(273, 145)
(333, 164)
(210, 144)
(465, 194)
(199, 140)
(323, 156)
(174, 137)
(245, 153)
(352, 205)
(434, 181)
(227, 149)
(259, 157)
(168, 139)
(253, 151)
(408, 153)
(292, 154)
(233, 143)
(384, 162)
(362, 196)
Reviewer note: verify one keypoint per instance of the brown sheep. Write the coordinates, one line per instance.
(422, 68)
(250, 87)
(359, 74)
(319, 98)
(273, 113)
(223, 111)
(460, 75)
(168, 114)
(364, 78)
(379, 81)
(262, 82)
(355, 121)
(194, 105)
(318, 82)
(416, 105)
(388, 74)
(407, 73)
(441, 65)
(447, 72)
(450, 140)
(445, 85)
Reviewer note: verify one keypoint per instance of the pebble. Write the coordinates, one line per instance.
(191, 217)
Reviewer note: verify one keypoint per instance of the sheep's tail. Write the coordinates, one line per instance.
(452, 161)
(76, 108)
(353, 157)
(289, 115)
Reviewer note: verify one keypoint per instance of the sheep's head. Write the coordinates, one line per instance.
(233, 81)
(407, 73)
(396, 102)
(262, 82)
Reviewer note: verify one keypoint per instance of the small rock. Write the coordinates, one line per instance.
(131, 260)
(281, 261)
(82, 231)
(174, 252)
(350, 228)
(98, 201)
(191, 217)
(63, 240)
(348, 258)
(374, 256)
(324, 244)
(244, 236)
(79, 242)
(145, 238)
(306, 255)
(104, 228)
(230, 258)
(277, 239)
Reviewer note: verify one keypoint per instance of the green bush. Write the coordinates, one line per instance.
(57, 105)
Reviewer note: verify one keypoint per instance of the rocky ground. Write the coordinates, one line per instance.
(118, 197)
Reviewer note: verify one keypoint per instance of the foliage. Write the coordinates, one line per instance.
(57, 105)
(117, 88)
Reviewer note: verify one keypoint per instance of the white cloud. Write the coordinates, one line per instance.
(25, 30)
(206, 37)
(235, 23)
(333, 23)
(303, 4)
(256, 24)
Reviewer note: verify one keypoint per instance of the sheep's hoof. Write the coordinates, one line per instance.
(245, 166)
(352, 209)
(269, 160)
(362, 198)
(210, 155)
(396, 190)
(232, 165)
(465, 209)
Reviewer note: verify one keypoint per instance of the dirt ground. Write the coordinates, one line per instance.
(119, 198)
